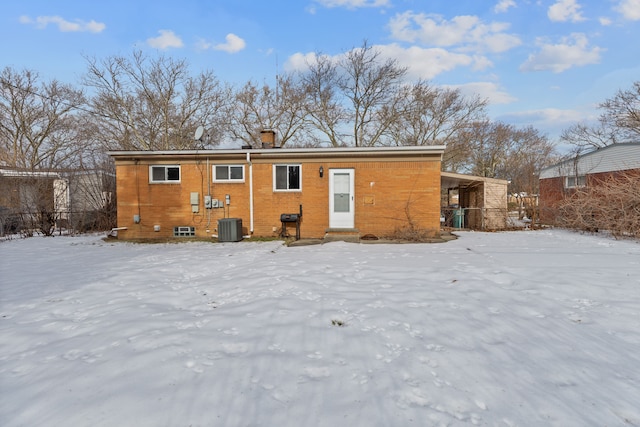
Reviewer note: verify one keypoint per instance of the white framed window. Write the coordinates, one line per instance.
(575, 181)
(287, 177)
(164, 173)
(228, 173)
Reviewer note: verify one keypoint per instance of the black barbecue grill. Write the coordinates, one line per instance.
(291, 218)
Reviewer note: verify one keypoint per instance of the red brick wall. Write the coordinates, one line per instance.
(552, 191)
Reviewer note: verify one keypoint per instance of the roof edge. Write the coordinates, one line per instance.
(465, 177)
(307, 152)
(573, 158)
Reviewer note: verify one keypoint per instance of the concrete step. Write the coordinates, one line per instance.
(342, 235)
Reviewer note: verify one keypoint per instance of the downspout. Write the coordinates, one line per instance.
(250, 194)
(208, 194)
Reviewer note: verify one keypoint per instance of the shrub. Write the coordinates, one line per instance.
(611, 203)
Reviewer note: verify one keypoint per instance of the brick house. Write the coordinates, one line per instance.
(355, 191)
(562, 179)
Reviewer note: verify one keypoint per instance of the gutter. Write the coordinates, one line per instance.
(299, 152)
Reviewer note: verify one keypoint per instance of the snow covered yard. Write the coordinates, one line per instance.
(498, 329)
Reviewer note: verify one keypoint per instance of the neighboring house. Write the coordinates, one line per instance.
(586, 170)
(330, 191)
(474, 202)
(90, 199)
(21, 190)
(90, 190)
(31, 198)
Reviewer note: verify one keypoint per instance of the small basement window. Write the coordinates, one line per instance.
(286, 178)
(164, 173)
(228, 173)
(184, 231)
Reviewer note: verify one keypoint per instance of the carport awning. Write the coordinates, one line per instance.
(450, 180)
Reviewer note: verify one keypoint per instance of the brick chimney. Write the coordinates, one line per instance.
(268, 138)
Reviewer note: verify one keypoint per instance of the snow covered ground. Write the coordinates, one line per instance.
(498, 329)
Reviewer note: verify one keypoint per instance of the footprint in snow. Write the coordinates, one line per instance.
(411, 398)
(418, 304)
(234, 348)
(276, 347)
(427, 361)
(316, 372)
(480, 404)
(193, 366)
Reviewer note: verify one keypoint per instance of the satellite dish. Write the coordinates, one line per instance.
(199, 133)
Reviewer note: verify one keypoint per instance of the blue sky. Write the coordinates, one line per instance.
(545, 63)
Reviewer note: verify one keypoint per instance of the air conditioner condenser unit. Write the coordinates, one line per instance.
(229, 230)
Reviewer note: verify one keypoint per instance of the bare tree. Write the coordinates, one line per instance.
(529, 153)
(39, 132)
(584, 136)
(499, 150)
(610, 203)
(623, 111)
(487, 145)
(154, 103)
(353, 99)
(38, 121)
(429, 115)
(324, 109)
(371, 85)
(280, 109)
(362, 99)
(618, 122)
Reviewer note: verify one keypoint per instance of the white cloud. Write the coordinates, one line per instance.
(550, 115)
(425, 63)
(500, 42)
(481, 63)
(485, 90)
(630, 9)
(233, 44)
(165, 40)
(551, 121)
(300, 61)
(421, 63)
(203, 44)
(353, 4)
(571, 52)
(503, 6)
(604, 21)
(466, 32)
(565, 10)
(65, 26)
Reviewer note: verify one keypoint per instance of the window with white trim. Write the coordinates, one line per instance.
(164, 173)
(228, 173)
(287, 177)
(575, 181)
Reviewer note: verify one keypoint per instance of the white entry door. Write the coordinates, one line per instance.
(341, 200)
